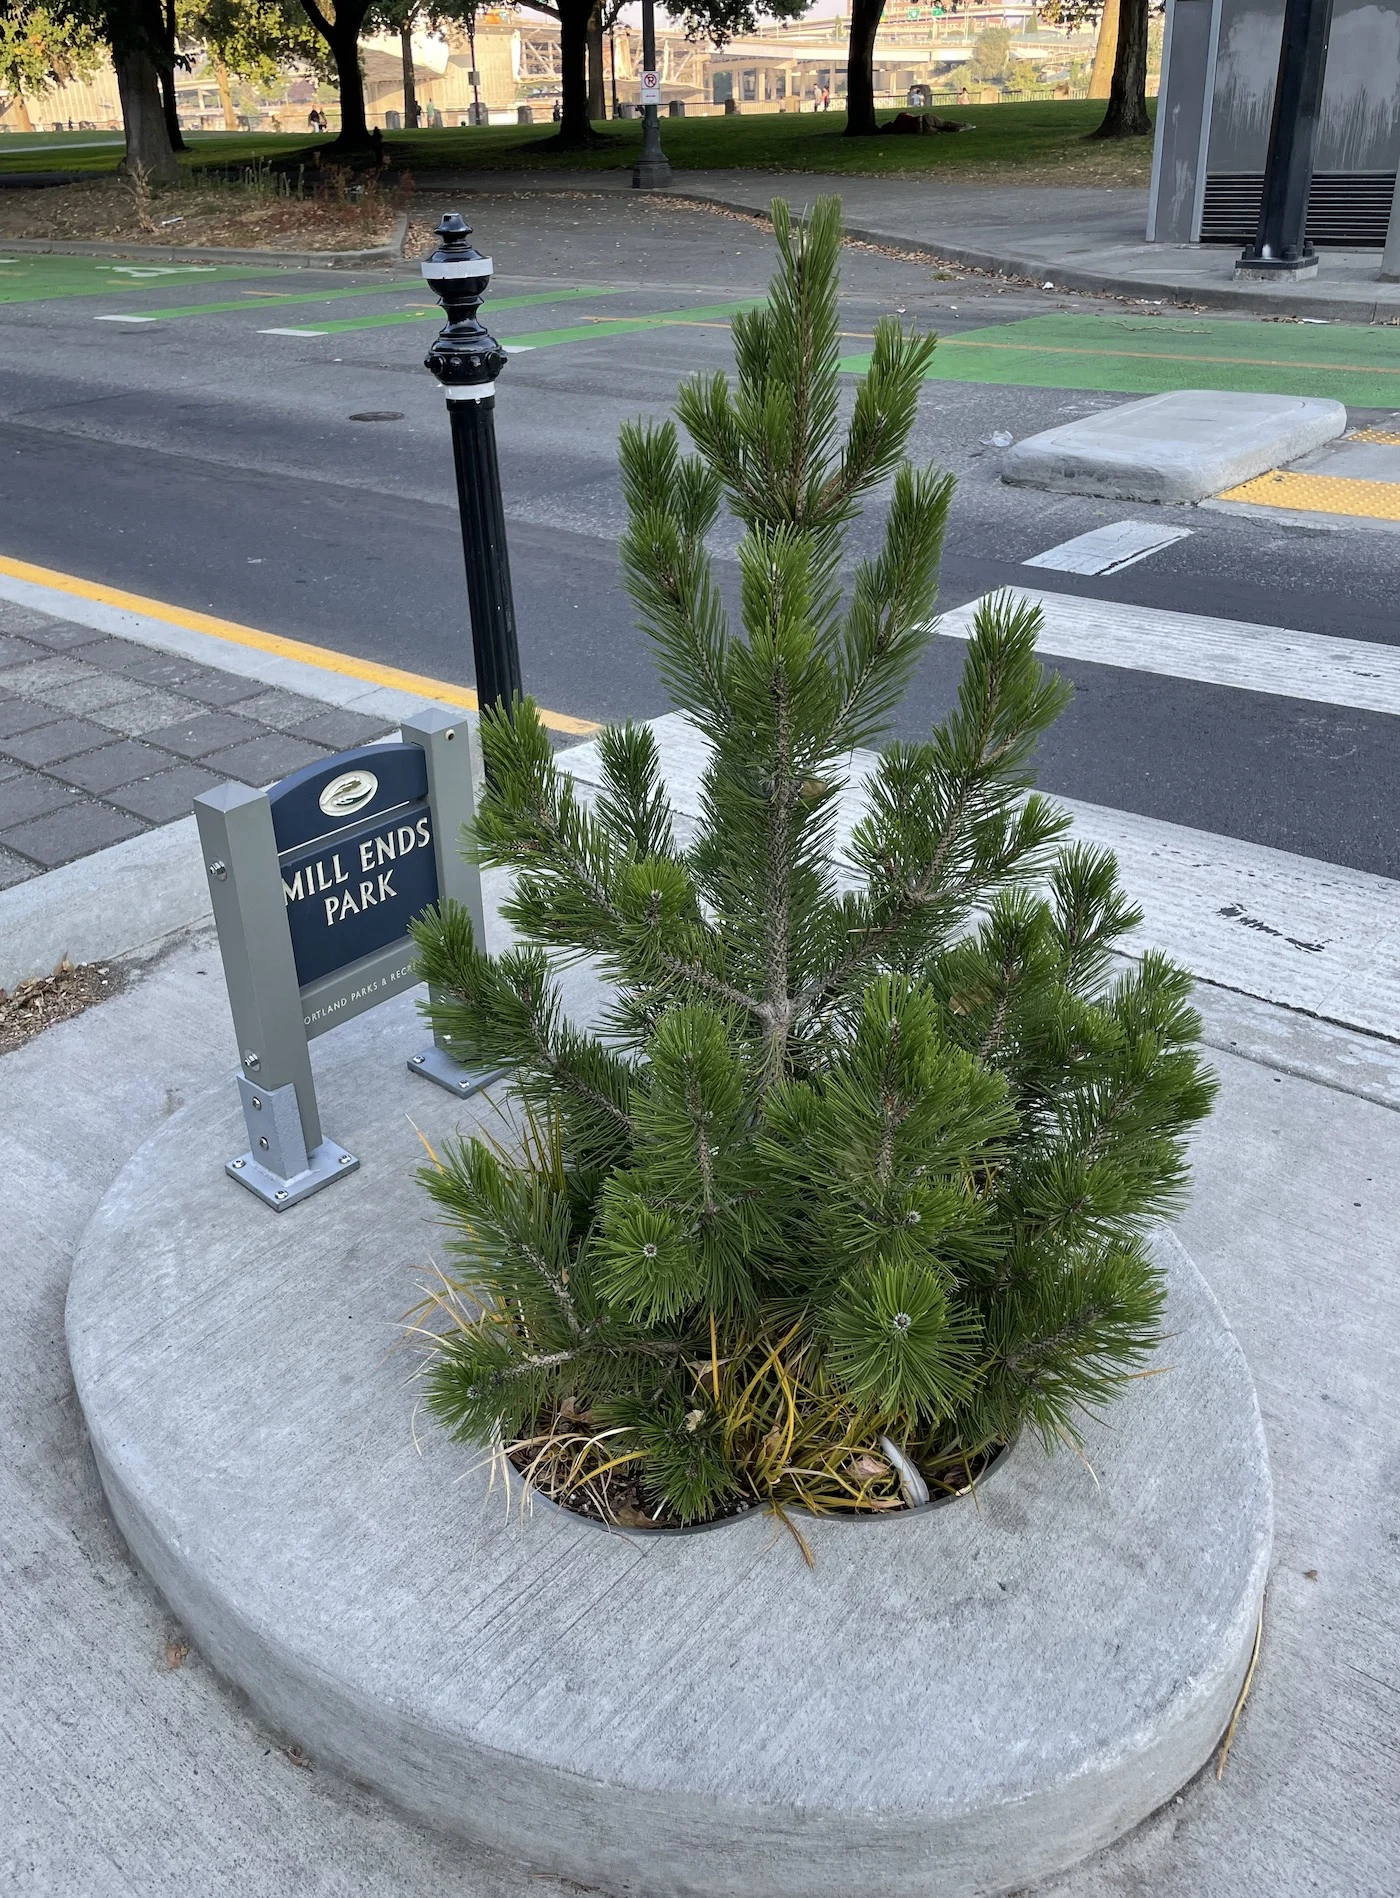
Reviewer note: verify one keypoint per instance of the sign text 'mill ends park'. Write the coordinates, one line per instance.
(314, 884)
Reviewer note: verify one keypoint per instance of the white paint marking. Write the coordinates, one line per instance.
(126, 319)
(1107, 549)
(293, 332)
(1270, 659)
(1288, 929)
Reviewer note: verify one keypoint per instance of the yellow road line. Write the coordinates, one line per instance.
(1320, 494)
(323, 657)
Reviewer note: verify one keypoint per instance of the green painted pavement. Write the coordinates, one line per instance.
(416, 315)
(36, 279)
(626, 325)
(1135, 355)
(255, 302)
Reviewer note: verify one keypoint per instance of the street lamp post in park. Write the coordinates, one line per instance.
(652, 171)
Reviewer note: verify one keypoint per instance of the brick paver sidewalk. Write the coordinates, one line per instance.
(101, 738)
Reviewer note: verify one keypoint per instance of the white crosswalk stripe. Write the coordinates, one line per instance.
(1110, 549)
(1286, 929)
(1355, 672)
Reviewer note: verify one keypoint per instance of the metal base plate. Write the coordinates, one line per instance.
(1275, 270)
(434, 1065)
(328, 1162)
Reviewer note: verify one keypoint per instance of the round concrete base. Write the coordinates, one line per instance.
(955, 1702)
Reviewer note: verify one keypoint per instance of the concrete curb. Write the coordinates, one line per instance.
(136, 896)
(1032, 1677)
(1252, 301)
(392, 252)
(128, 900)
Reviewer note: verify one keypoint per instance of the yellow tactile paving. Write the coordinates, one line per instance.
(1320, 494)
(1385, 437)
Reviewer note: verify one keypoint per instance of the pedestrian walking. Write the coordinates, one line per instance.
(826, 98)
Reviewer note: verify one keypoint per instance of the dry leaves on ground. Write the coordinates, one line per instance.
(33, 1006)
(110, 210)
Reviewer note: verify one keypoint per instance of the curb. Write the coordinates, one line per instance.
(392, 252)
(219, 1427)
(128, 900)
(1142, 289)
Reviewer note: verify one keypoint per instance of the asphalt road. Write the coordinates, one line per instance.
(202, 461)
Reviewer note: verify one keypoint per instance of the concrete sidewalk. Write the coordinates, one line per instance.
(1071, 237)
(126, 1768)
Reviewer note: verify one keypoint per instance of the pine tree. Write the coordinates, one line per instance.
(869, 1141)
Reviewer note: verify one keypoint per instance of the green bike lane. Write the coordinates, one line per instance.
(1141, 355)
(27, 280)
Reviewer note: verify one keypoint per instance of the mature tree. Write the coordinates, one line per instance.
(340, 24)
(860, 68)
(991, 55)
(1126, 116)
(39, 50)
(255, 40)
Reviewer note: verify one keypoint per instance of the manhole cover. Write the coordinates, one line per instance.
(378, 415)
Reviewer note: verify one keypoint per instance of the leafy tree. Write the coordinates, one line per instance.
(860, 68)
(39, 50)
(1126, 116)
(991, 54)
(865, 1146)
(136, 33)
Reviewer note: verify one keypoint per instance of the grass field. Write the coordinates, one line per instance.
(1043, 142)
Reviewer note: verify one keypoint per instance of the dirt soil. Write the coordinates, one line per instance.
(33, 1006)
(233, 216)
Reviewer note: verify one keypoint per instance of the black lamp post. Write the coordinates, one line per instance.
(1281, 250)
(466, 359)
(652, 171)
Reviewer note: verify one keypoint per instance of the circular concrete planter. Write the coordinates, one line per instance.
(957, 1702)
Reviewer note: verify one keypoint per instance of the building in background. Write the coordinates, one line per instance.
(924, 53)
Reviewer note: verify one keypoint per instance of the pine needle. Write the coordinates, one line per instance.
(1229, 1739)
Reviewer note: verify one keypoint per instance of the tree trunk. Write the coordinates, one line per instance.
(574, 128)
(225, 95)
(1105, 52)
(860, 68)
(597, 94)
(344, 42)
(143, 118)
(1126, 116)
(167, 80)
(26, 124)
(410, 91)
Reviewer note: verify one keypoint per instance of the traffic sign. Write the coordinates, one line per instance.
(651, 88)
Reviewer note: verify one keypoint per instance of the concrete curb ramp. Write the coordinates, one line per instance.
(953, 1703)
(1181, 446)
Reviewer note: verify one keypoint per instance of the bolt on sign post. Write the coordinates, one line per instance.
(466, 360)
(314, 883)
(1281, 249)
(652, 171)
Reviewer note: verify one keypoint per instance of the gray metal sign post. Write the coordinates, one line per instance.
(314, 883)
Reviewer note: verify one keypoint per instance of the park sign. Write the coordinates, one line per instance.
(314, 884)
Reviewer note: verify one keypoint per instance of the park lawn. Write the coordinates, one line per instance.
(76, 151)
(1043, 142)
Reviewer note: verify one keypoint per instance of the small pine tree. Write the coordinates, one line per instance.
(869, 1139)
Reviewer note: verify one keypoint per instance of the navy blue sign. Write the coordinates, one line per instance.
(355, 846)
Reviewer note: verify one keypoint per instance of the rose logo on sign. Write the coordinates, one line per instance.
(349, 793)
